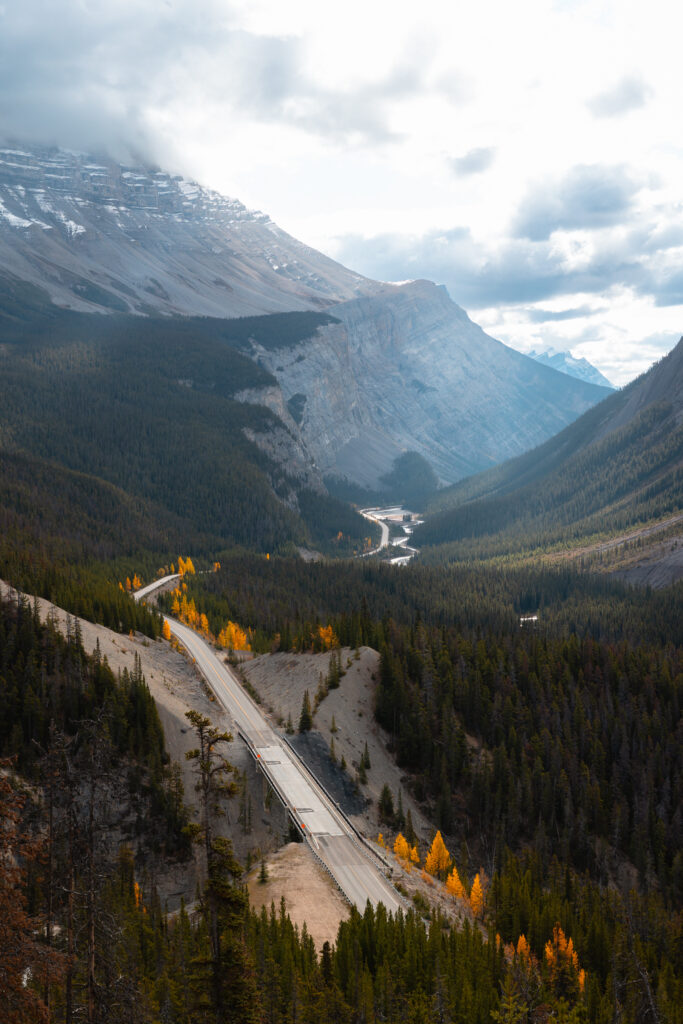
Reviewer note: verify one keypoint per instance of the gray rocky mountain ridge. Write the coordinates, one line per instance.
(404, 369)
(567, 363)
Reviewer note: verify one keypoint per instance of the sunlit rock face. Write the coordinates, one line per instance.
(102, 237)
(402, 369)
(407, 370)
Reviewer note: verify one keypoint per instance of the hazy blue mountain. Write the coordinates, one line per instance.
(565, 362)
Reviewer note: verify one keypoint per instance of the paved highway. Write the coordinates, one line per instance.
(324, 827)
(370, 513)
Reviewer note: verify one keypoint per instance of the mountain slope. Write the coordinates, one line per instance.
(621, 463)
(397, 369)
(143, 410)
(101, 237)
(407, 370)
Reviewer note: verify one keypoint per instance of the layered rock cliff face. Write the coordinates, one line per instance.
(407, 370)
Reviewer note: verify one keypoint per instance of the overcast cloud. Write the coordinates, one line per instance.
(522, 155)
(628, 94)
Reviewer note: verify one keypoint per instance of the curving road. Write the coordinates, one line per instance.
(322, 824)
(370, 513)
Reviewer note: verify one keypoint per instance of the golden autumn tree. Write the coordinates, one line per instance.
(166, 630)
(414, 855)
(477, 897)
(438, 859)
(326, 638)
(402, 851)
(234, 638)
(137, 582)
(562, 963)
(455, 886)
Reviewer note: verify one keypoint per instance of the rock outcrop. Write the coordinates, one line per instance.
(98, 236)
(407, 370)
(402, 369)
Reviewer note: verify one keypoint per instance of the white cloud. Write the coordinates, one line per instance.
(487, 145)
(628, 94)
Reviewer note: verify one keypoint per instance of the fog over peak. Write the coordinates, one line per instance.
(420, 145)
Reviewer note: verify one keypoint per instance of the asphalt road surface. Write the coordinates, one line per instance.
(325, 828)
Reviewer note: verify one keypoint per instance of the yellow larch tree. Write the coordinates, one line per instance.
(166, 630)
(137, 582)
(326, 638)
(234, 638)
(414, 855)
(455, 886)
(477, 897)
(438, 859)
(562, 961)
(402, 851)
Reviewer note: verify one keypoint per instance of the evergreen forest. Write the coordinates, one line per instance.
(535, 710)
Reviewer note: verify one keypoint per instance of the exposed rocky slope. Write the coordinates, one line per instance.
(402, 368)
(102, 237)
(408, 370)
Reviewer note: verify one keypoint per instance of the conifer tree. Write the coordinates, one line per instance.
(455, 886)
(438, 859)
(386, 804)
(410, 831)
(477, 897)
(305, 718)
(400, 816)
(212, 786)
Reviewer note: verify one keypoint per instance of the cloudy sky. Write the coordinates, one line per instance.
(529, 156)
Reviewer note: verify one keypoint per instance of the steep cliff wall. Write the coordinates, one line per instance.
(407, 370)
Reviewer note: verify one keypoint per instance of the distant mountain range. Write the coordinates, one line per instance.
(127, 282)
(565, 362)
(617, 466)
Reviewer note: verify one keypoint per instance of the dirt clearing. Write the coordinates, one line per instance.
(281, 680)
(309, 892)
